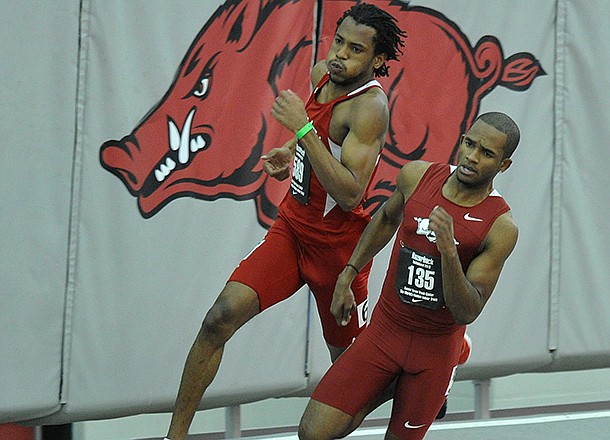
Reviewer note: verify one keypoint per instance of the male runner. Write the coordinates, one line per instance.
(338, 136)
(454, 234)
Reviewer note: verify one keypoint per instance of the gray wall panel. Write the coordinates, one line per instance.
(584, 320)
(107, 301)
(38, 69)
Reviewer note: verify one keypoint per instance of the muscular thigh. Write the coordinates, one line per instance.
(420, 391)
(357, 377)
(320, 266)
(271, 268)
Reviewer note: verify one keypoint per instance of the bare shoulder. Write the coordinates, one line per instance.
(366, 117)
(410, 175)
(367, 112)
(371, 102)
(507, 223)
(503, 234)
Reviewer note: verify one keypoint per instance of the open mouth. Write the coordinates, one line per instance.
(466, 170)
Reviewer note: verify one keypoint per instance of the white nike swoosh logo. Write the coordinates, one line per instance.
(472, 219)
(409, 426)
(415, 300)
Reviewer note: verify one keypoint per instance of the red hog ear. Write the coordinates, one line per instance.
(240, 24)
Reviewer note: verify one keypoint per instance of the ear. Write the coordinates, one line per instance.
(505, 164)
(379, 60)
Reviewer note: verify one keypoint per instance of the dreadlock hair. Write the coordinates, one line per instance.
(506, 125)
(387, 36)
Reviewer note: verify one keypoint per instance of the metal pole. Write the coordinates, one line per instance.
(233, 421)
(481, 398)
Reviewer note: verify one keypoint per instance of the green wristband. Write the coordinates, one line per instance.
(303, 131)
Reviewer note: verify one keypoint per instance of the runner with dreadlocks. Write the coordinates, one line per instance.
(339, 133)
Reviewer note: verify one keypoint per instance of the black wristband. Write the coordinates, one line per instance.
(353, 267)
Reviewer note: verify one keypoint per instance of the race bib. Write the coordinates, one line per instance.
(419, 279)
(299, 185)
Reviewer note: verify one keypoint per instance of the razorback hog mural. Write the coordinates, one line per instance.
(204, 139)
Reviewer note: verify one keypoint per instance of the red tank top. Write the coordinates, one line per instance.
(471, 225)
(321, 219)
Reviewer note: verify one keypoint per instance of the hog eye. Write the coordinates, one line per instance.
(202, 88)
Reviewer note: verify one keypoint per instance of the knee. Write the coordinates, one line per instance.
(315, 425)
(307, 426)
(218, 325)
(306, 432)
(310, 432)
(235, 306)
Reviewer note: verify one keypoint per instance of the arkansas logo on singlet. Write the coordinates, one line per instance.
(205, 137)
(423, 228)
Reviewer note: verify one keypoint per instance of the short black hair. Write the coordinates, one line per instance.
(388, 36)
(504, 123)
